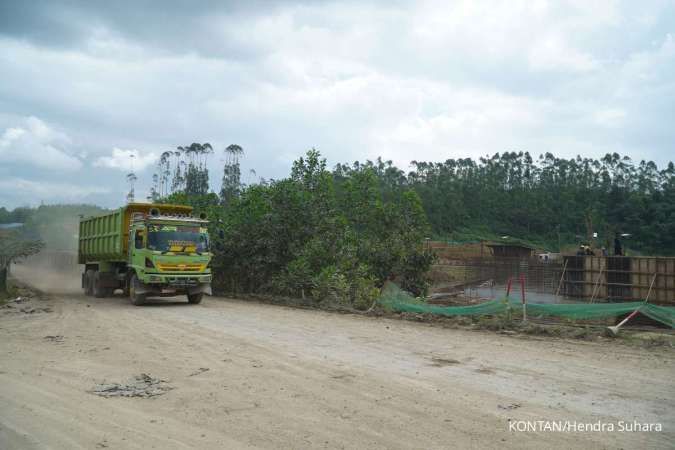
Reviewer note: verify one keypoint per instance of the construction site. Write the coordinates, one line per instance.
(552, 277)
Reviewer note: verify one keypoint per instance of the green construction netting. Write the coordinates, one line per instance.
(394, 298)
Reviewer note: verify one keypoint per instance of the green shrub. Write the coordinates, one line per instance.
(315, 233)
(330, 285)
(366, 292)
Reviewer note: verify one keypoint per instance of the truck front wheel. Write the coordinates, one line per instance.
(195, 298)
(136, 298)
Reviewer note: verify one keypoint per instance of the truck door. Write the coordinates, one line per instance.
(138, 239)
(135, 242)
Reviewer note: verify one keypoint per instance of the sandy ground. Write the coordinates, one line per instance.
(249, 375)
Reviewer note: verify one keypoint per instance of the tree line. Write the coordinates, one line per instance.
(341, 232)
(184, 170)
(549, 201)
(557, 199)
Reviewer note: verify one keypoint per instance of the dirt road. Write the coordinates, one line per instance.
(248, 375)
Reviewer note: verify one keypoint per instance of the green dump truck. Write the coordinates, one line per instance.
(146, 250)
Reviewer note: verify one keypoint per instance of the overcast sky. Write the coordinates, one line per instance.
(85, 84)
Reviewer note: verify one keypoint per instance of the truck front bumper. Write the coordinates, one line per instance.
(154, 283)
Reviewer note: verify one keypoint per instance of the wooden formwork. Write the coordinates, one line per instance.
(449, 252)
(620, 278)
(644, 269)
(540, 276)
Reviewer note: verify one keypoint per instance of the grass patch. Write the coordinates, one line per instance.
(648, 339)
(502, 323)
(12, 292)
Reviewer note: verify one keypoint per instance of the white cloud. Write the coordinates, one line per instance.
(648, 69)
(610, 117)
(128, 160)
(29, 191)
(554, 53)
(457, 127)
(34, 143)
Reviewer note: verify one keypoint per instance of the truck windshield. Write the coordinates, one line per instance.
(177, 238)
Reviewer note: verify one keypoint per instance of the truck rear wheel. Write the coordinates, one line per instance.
(195, 298)
(136, 298)
(89, 282)
(100, 291)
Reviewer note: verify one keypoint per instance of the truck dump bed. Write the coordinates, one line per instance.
(106, 237)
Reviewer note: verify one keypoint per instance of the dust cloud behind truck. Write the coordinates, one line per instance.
(145, 250)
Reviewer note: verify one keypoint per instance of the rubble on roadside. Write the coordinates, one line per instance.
(142, 385)
(21, 305)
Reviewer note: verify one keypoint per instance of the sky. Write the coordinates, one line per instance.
(86, 85)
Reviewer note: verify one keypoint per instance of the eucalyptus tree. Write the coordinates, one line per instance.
(195, 178)
(131, 179)
(231, 182)
(164, 171)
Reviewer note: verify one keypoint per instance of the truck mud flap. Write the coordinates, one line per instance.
(108, 280)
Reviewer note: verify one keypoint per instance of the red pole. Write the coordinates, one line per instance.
(522, 290)
(508, 288)
(628, 318)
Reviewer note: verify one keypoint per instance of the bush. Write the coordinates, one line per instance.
(336, 238)
(366, 292)
(330, 285)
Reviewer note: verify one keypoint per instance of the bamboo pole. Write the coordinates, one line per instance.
(615, 329)
(650, 287)
(596, 287)
(561, 277)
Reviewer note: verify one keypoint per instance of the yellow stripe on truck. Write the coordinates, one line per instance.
(163, 267)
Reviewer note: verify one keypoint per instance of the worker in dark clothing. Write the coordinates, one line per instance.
(618, 251)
